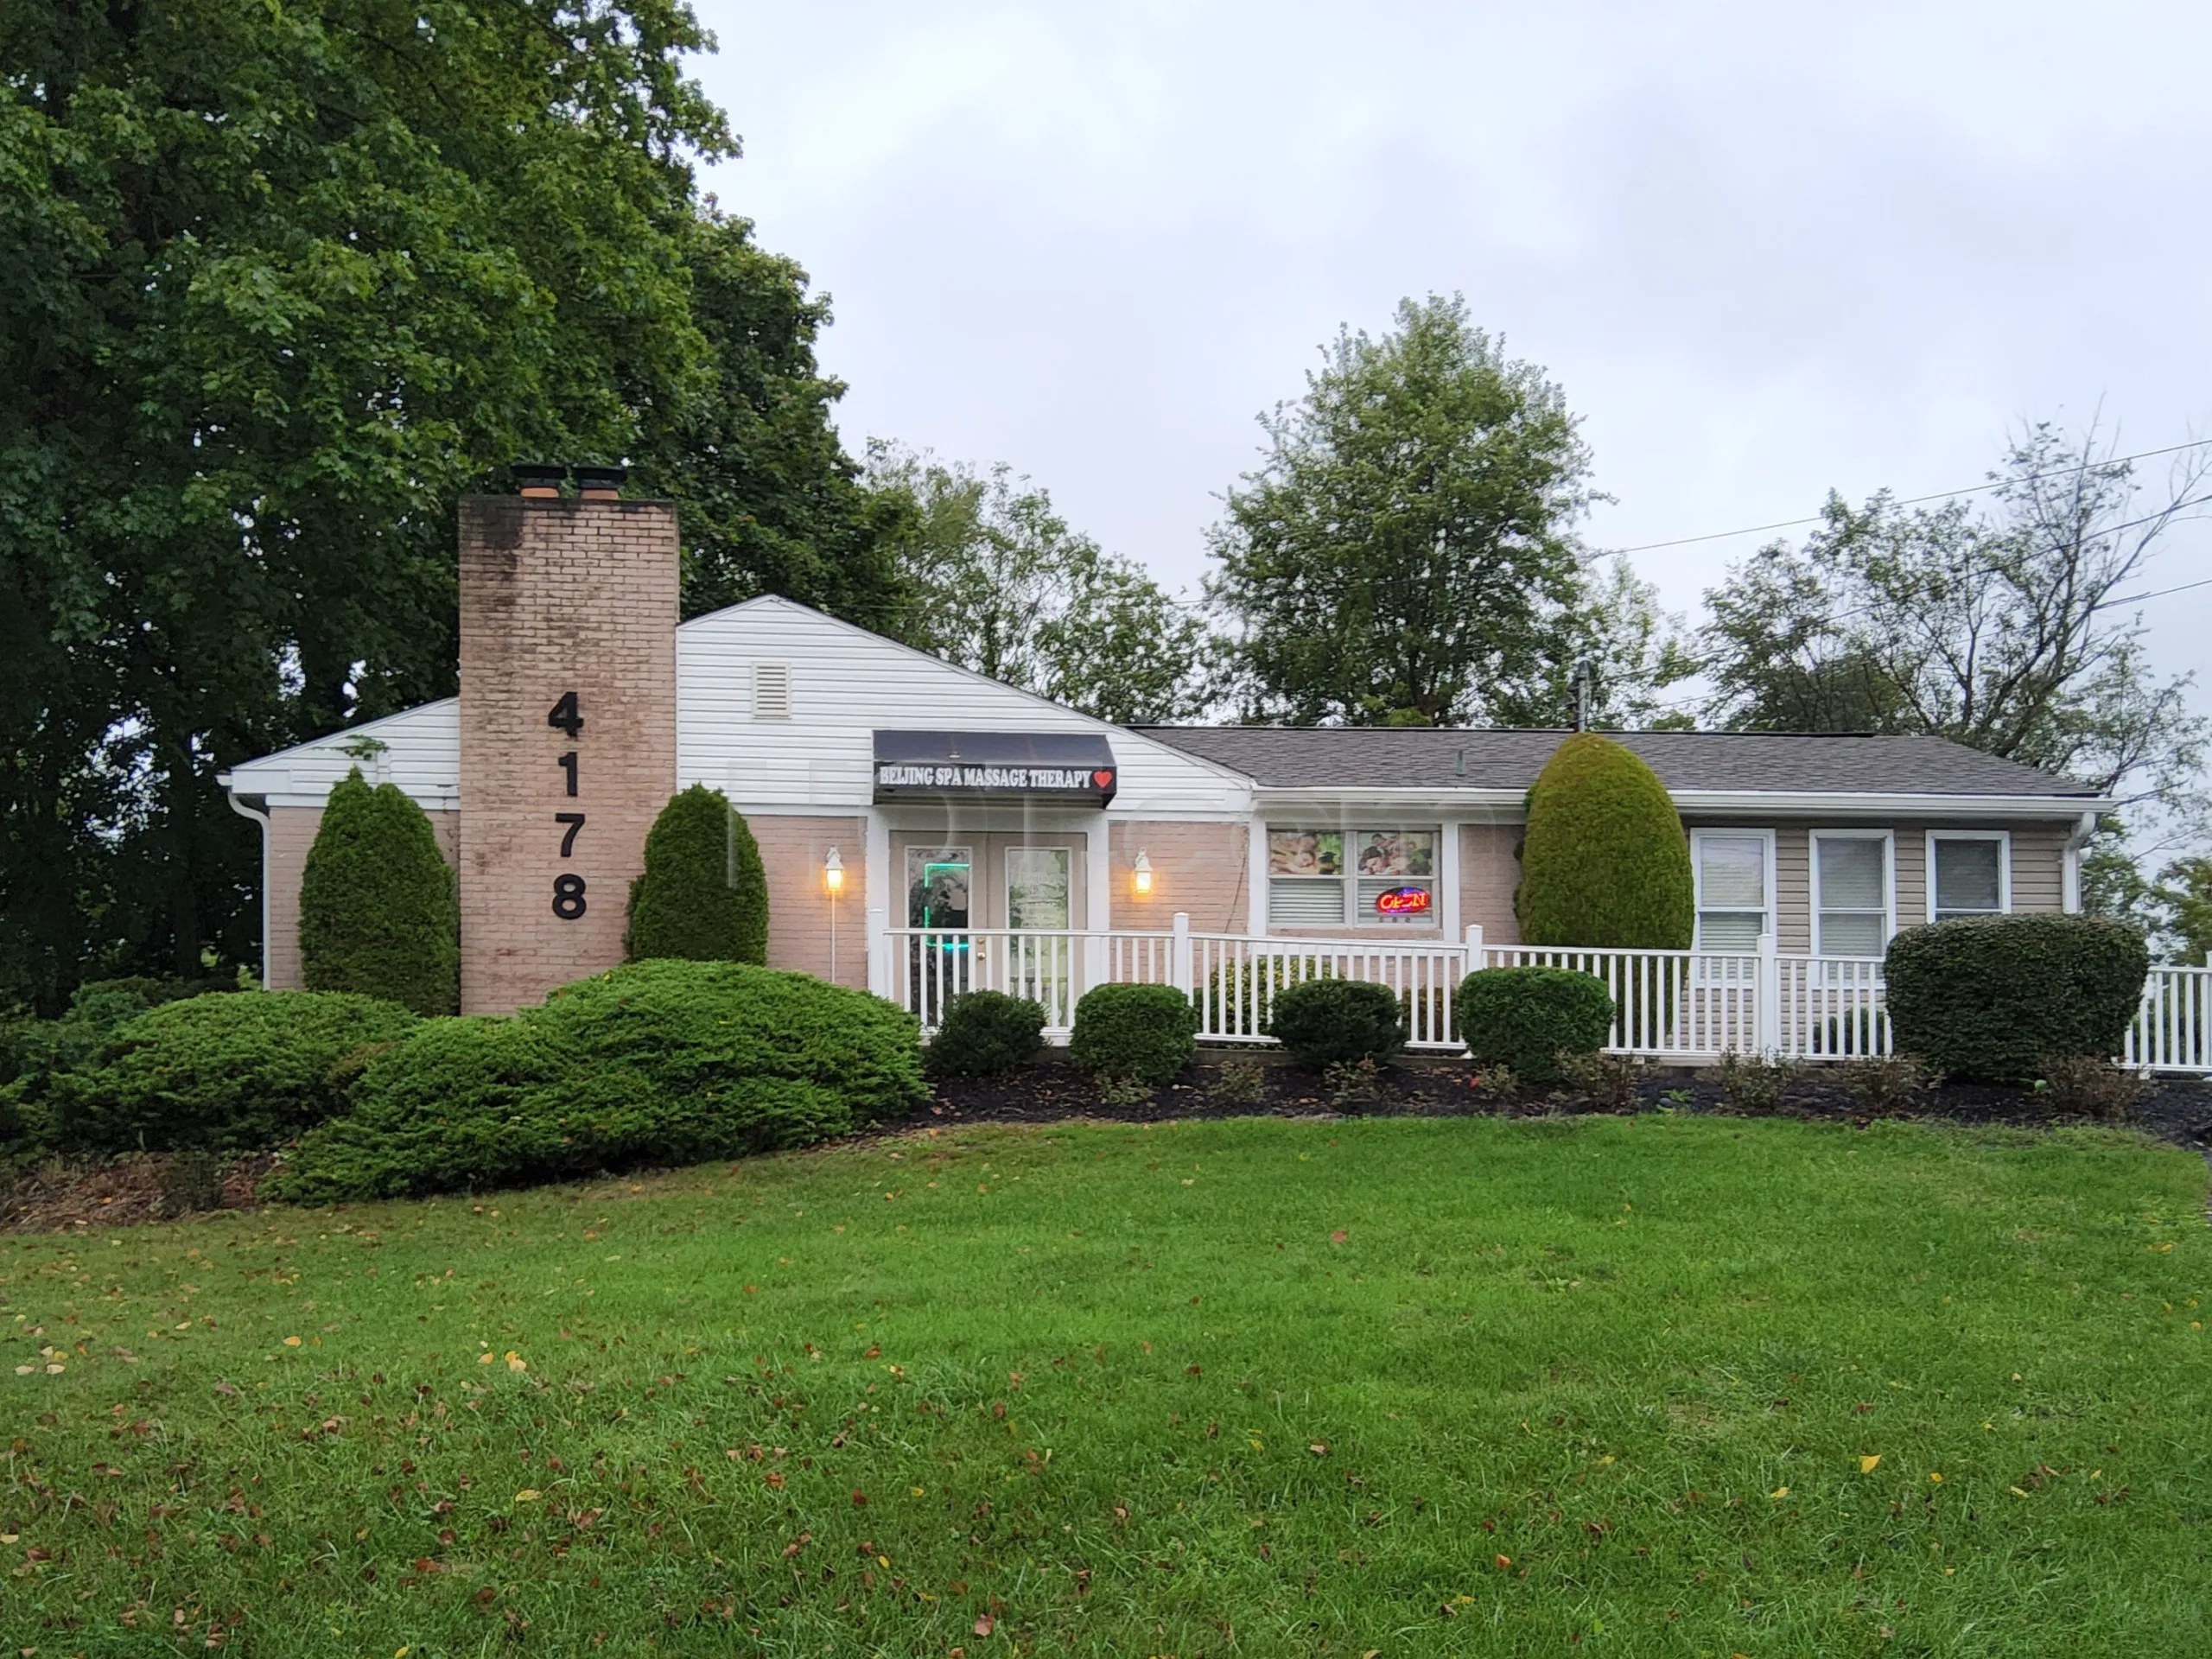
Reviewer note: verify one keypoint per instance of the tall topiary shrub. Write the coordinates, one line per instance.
(1606, 863)
(703, 896)
(380, 912)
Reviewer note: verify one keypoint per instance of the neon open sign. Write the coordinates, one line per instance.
(1401, 902)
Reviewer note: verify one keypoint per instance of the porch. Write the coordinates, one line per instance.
(1679, 1007)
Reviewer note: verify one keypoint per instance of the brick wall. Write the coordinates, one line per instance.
(559, 595)
(291, 833)
(791, 854)
(1203, 868)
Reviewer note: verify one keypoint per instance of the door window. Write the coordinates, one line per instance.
(938, 887)
(1037, 888)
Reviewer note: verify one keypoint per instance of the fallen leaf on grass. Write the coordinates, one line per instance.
(291, 1341)
(1339, 1237)
(985, 1623)
(528, 1494)
(1868, 1465)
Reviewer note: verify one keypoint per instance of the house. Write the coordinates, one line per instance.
(894, 797)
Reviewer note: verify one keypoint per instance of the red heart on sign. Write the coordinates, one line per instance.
(1104, 779)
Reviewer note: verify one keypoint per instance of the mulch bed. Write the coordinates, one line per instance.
(59, 1197)
(2178, 1111)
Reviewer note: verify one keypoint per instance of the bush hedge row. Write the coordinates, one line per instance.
(1327, 1022)
(1525, 1018)
(1146, 1033)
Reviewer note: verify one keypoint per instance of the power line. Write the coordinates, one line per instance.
(1919, 500)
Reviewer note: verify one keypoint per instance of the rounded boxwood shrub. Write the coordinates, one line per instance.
(703, 896)
(985, 1034)
(1991, 998)
(1324, 1021)
(236, 1070)
(380, 912)
(1605, 862)
(1145, 1032)
(657, 1062)
(1525, 1018)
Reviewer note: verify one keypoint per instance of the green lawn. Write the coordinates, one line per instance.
(1412, 1387)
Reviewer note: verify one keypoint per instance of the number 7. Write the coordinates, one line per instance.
(575, 822)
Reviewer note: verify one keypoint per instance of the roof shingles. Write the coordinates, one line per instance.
(1344, 757)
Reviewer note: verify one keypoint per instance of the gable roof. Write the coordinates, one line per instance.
(1446, 758)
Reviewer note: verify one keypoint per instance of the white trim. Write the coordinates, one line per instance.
(1255, 884)
(2004, 839)
(2070, 872)
(1697, 877)
(1888, 838)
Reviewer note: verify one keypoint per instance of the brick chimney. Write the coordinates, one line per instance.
(568, 726)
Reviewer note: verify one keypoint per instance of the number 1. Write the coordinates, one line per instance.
(575, 822)
(569, 766)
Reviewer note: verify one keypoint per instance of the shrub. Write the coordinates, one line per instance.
(703, 896)
(696, 1029)
(1525, 1017)
(1609, 1082)
(1605, 862)
(657, 1062)
(1240, 1083)
(237, 1071)
(2084, 1085)
(1146, 1033)
(1882, 1083)
(1755, 1083)
(379, 914)
(1351, 1085)
(1324, 1021)
(984, 1034)
(1986, 998)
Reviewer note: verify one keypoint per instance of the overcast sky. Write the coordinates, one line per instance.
(1765, 249)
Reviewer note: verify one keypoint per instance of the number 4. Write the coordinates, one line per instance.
(565, 717)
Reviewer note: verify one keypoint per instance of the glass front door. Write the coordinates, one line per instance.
(940, 962)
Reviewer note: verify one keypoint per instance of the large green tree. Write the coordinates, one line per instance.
(2003, 624)
(771, 501)
(1404, 554)
(281, 283)
(1002, 584)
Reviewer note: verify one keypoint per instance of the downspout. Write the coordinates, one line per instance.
(2070, 890)
(239, 806)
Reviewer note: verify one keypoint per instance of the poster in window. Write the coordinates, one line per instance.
(1306, 852)
(1037, 886)
(1397, 852)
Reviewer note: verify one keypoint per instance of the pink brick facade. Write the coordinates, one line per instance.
(800, 912)
(559, 595)
(291, 833)
(1204, 869)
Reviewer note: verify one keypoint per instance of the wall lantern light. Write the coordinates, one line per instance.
(1141, 874)
(833, 872)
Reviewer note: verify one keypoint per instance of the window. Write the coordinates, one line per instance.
(1371, 877)
(1734, 887)
(1969, 874)
(1850, 892)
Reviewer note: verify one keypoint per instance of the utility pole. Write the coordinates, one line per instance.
(1585, 691)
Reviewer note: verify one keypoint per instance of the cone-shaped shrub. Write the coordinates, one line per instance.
(1605, 862)
(703, 896)
(379, 913)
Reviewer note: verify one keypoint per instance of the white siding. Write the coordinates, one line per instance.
(846, 682)
(422, 755)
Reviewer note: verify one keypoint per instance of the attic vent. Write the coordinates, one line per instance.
(772, 691)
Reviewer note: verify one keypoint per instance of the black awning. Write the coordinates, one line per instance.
(1072, 766)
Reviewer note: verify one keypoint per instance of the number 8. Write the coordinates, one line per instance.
(569, 896)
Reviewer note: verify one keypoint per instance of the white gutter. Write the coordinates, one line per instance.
(2070, 892)
(239, 806)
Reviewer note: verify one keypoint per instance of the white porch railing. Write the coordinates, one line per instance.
(1679, 1006)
